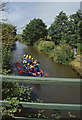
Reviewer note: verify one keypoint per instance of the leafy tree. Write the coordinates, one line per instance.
(18, 37)
(74, 29)
(59, 28)
(66, 29)
(8, 38)
(8, 33)
(34, 30)
(80, 30)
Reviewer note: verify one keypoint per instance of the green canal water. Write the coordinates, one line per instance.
(50, 93)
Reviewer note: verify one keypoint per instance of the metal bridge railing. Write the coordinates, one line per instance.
(39, 80)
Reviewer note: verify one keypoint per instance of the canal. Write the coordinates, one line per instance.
(49, 93)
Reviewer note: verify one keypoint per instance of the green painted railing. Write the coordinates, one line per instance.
(39, 80)
(46, 105)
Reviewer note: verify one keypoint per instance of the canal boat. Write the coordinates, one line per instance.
(22, 71)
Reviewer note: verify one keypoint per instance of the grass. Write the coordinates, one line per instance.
(76, 64)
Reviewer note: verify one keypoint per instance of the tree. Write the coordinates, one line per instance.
(80, 30)
(59, 28)
(8, 35)
(35, 30)
(66, 29)
(74, 27)
(8, 32)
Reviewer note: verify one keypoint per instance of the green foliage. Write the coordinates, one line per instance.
(14, 107)
(62, 54)
(46, 46)
(8, 34)
(38, 41)
(74, 29)
(56, 117)
(48, 37)
(5, 57)
(8, 31)
(8, 43)
(39, 114)
(68, 29)
(35, 30)
(6, 72)
(38, 101)
(79, 45)
(58, 29)
(71, 116)
(20, 38)
(14, 93)
(80, 30)
(13, 89)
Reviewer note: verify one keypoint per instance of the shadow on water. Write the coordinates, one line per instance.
(49, 93)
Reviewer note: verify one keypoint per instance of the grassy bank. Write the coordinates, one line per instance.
(76, 65)
(61, 54)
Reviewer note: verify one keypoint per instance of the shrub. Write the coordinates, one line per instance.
(46, 46)
(38, 41)
(5, 57)
(62, 54)
(79, 45)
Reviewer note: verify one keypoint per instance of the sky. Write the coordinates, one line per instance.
(20, 13)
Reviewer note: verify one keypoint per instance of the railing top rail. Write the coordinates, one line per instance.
(41, 80)
(46, 105)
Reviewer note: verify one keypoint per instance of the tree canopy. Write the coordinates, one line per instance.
(66, 28)
(59, 28)
(8, 33)
(34, 30)
(74, 35)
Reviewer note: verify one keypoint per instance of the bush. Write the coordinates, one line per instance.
(62, 54)
(15, 93)
(38, 41)
(46, 46)
(79, 45)
(5, 57)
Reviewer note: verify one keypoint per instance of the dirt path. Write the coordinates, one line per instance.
(77, 64)
(80, 57)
